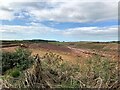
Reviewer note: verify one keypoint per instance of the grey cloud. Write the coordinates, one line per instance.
(6, 9)
(68, 11)
(79, 12)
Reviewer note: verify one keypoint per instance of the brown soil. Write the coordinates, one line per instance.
(9, 49)
(67, 53)
(49, 47)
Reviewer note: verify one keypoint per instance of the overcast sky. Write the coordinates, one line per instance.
(63, 20)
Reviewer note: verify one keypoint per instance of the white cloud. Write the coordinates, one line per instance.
(92, 31)
(79, 12)
(64, 11)
(60, 11)
(6, 15)
(40, 31)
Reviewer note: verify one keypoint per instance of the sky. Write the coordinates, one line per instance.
(61, 20)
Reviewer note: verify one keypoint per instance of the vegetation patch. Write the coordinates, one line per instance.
(51, 71)
(21, 59)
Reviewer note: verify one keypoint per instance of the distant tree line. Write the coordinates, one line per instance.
(40, 40)
(24, 41)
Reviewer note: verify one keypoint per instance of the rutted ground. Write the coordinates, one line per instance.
(89, 52)
(67, 52)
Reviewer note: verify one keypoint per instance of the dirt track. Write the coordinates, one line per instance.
(87, 52)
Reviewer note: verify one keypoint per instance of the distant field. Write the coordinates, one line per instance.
(76, 49)
(108, 48)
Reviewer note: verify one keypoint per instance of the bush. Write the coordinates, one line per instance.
(21, 58)
(15, 73)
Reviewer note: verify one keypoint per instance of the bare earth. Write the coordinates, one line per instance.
(68, 53)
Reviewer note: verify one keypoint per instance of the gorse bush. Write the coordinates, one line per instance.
(21, 58)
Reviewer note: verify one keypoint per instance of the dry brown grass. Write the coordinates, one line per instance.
(50, 71)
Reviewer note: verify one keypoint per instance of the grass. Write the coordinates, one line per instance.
(52, 71)
(92, 45)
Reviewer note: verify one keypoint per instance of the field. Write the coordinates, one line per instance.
(70, 50)
(87, 64)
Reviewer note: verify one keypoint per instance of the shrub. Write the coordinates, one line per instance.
(21, 58)
(15, 73)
